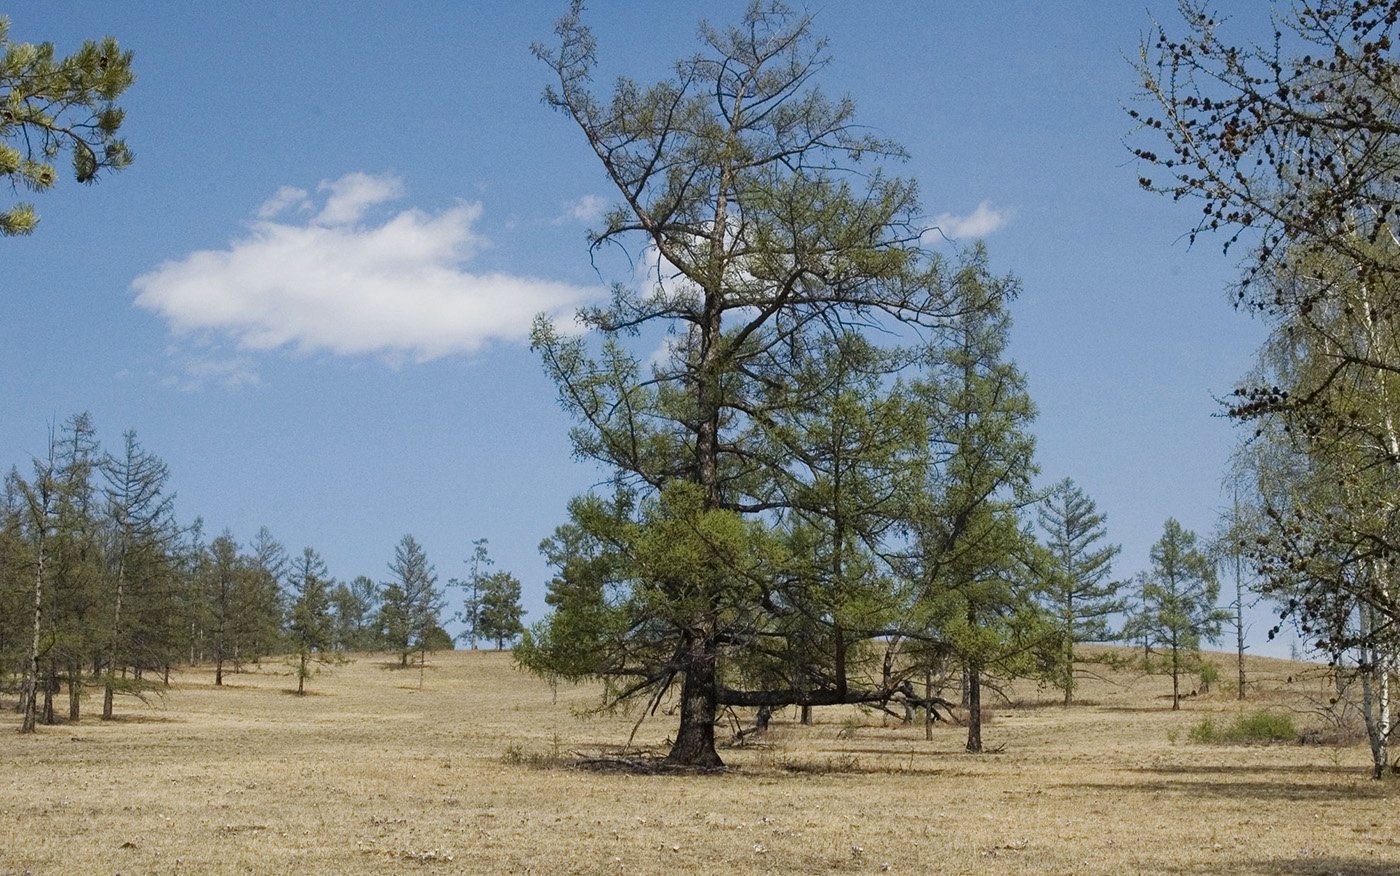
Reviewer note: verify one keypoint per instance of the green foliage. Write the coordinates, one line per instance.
(500, 613)
(768, 464)
(309, 631)
(1078, 593)
(1259, 727)
(411, 600)
(49, 105)
(1178, 606)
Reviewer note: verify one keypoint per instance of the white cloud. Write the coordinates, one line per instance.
(354, 193)
(395, 289)
(281, 200)
(587, 209)
(983, 221)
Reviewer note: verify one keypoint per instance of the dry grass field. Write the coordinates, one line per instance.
(369, 775)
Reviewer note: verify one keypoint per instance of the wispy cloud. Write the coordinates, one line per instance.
(981, 222)
(338, 284)
(232, 372)
(587, 209)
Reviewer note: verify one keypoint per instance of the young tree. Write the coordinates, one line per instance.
(1179, 596)
(1231, 547)
(309, 631)
(75, 564)
(742, 183)
(472, 588)
(975, 589)
(500, 608)
(241, 617)
(142, 535)
(57, 105)
(1080, 595)
(355, 604)
(414, 589)
(38, 501)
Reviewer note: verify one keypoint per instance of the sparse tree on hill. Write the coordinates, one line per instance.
(472, 588)
(54, 105)
(414, 590)
(500, 608)
(1079, 592)
(355, 604)
(310, 629)
(1179, 595)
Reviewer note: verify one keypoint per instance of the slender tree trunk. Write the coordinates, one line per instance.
(107, 688)
(695, 740)
(75, 691)
(218, 673)
(50, 688)
(31, 685)
(1069, 671)
(928, 703)
(974, 706)
(301, 676)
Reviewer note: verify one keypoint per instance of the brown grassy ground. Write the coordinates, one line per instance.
(369, 775)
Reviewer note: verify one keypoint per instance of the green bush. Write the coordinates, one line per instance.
(1255, 727)
(1205, 731)
(1263, 726)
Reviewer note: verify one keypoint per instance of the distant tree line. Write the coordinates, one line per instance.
(102, 590)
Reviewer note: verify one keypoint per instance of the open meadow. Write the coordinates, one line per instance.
(472, 773)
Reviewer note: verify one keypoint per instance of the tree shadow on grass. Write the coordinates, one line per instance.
(1345, 785)
(141, 719)
(1305, 864)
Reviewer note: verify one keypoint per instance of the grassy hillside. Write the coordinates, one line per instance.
(369, 774)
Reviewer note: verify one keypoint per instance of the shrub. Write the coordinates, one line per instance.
(1263, 726)
(1254, 727)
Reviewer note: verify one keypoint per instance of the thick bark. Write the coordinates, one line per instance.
(974, 707)
(695, 740)
(75, 690)
(50, 688)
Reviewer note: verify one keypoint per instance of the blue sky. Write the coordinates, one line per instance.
(309, 294)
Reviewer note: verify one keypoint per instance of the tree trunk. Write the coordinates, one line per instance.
(974, 707)
(806, 718)
(695, 740)
(116, 634)
(31, 685)
(75, 690)
(928, 703)
(1239, 621)
(50, 688)
(218, 673)
(1380, 755)
(1069, 671)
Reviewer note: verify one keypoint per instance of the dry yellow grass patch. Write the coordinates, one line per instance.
(368, 775)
